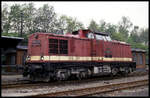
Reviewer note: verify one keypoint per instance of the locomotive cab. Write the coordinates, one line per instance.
(92, 35)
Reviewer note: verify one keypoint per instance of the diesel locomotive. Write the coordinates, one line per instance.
(82, 54)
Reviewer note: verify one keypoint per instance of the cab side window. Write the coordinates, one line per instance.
(90, 35)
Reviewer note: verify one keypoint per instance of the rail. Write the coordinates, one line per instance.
(30, 84)
(96, 90)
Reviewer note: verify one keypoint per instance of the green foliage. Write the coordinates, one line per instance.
(144, 36)
(118, 36)
(10, 34)
(45, 18)
(139, 45)
(111, 28)
(69, 24)
(102, 26)
(123, 27)
(93, 26)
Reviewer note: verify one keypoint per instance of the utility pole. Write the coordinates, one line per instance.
(21, 24)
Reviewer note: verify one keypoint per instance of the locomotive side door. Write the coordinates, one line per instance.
(94, 49)
(93, 45)
(107, 49)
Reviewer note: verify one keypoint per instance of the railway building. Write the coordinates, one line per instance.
(12, 54)
(139, 56)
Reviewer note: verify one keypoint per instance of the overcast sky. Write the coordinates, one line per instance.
(111, 12)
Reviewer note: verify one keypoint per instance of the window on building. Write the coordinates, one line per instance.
(13, 60)
(140, 59)
(134, 57)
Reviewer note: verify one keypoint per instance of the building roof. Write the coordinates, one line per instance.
(12, 37)
(137, 50)
(10, 42)
(22, 47)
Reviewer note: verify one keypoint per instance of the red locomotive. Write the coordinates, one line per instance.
(83, 53)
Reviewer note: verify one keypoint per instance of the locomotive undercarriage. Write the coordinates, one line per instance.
(63, 71)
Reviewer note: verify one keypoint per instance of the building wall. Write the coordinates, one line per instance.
(10, 59)
(140, 59)
(21, 55)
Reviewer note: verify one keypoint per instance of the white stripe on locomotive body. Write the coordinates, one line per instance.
(77, 58)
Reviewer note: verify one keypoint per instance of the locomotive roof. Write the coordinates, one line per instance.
(99, 33)
(51, 34)
(75, 34)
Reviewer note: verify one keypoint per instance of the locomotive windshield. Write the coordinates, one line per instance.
(91, 35)
(108, 38)
(101, 37)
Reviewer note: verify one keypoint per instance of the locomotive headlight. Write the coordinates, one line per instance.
(28, 58)
(42, 57)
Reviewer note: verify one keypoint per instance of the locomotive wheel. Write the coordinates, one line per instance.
(62, 76)
(47, 79)
(89, 72)
(127, 71)
(114, 71)
(130, 70)
(32, 78)
(81, 75)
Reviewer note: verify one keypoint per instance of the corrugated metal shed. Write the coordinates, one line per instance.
(22, 47)
(10, 42)
(11, 37)
(137, 50)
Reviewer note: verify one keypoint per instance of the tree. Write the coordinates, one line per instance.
(5, 19)
(69, 24)
(14, 17)
(117, 36)
(135, 29)
(138, 36)
(93, 26)
(45, 19)
(102, 26)
(28, 11)
(123, 27)
(134, 37)
(144, 36)
(111, 30)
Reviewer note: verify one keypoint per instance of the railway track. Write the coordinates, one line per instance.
(30, 84)
(97, 90)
